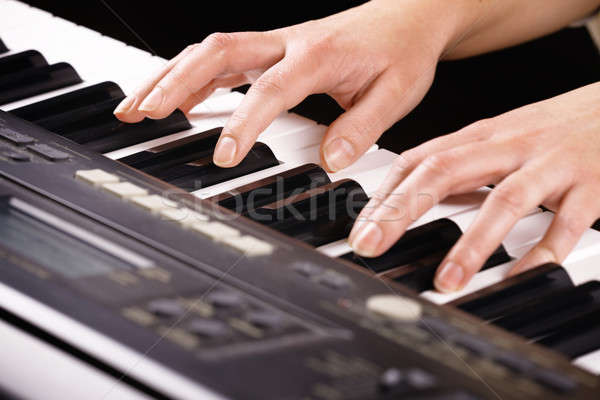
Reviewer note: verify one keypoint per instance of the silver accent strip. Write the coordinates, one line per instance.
(104, 348)
(56, 375)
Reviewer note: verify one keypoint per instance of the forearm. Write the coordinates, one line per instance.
(489, 25)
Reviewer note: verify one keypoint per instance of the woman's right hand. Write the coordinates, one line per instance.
(377, 61)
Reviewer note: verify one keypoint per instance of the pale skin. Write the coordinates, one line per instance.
(378, 61)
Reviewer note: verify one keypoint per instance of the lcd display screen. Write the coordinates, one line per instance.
(52, 248)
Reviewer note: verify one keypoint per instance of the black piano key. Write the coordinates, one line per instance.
(580, 336)
(203, 173)
(3, 48)
(545, 315)
(494, 301)
(95, 126)
(414, 259)
(318, 216)
(44, 111)
(75, 123)
(34, 81)
(177, 152)
(249, 198)
(420, 274)
(417, 243)
(21, 61)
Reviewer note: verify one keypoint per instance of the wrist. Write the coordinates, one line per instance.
(444, 23)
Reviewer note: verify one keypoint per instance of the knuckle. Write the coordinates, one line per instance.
(479, 129)
(237, 122)
(220, 40)
(509, 198)
(270, 85)
(403, 162)
(470, 257)
(178, 79)
(439, 164)
(571, 223)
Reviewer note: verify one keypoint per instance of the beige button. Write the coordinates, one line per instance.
(250, 245)
(395, 307)
(124, 190)
(153, 203)
(96, 177)
(183, 216)
(215, 230)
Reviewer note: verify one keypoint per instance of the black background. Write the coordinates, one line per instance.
(464, 91)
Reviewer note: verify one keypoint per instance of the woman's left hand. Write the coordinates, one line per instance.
(544, 153)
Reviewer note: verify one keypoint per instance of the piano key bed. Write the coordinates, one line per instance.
(47, 77)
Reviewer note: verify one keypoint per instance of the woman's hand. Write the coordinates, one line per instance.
(377, 61)
(548, 152)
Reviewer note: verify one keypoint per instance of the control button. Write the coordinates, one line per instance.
(215, 230)
(153, 203)
(307, 269)
(395, 307)
(514, 361)
(15, 155)
(96, 177)
(124, 190)
(183, 216)
(49, 153)
(166, 308)
(249, 245)
(554, 380)
(208, 328)
(399, 381)
(266, 319)
(15, 137)
(474, 344)
(225, 299)
(334, 280)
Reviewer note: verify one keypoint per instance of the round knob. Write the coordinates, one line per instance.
(396, 307)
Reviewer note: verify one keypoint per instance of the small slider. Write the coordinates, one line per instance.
(183, 216)
(96, 177)
(154, 203)
(124, 190)
(215, 230)
(249, 245)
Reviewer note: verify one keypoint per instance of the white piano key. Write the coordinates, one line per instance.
(582, 265)
(452, 206)
(590, 362)
(369, 171)
(15, 14)
(303, 156)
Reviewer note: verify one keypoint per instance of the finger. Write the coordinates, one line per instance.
(511, 200)
(408, 160)
(280, 88)
(359, 127)
(127, 111)
(227, 82)
(578, 211)
(454, 171)
(219, 54)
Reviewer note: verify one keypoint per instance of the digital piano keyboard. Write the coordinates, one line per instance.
(134, 268)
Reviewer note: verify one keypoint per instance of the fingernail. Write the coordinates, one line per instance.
(450, 277)
(338, 154)
(367, 240)
(125, 105)
(225, 151)
(152, 101)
